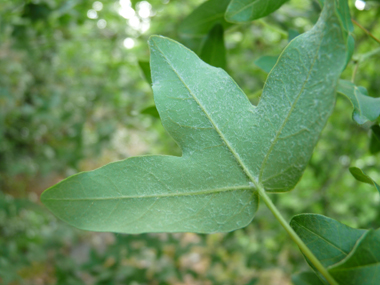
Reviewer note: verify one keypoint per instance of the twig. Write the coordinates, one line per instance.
(365, 31)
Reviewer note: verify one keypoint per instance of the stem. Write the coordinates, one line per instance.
(365, 31)
(306, 251)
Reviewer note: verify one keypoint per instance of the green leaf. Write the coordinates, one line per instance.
(213, 50)
(365, 108)
(306, 278)
(329, 240)
(350, 48)
(362, 265)
(374, 146)
(352, 256)
(344, 14)
(151, 110)
(362, 177)
(204, 17)
(145, 68)
(249, 10)
(345, 17)
(229, 146)
(266, 62)
(292, 33)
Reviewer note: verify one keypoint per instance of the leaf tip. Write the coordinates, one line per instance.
(155, 39)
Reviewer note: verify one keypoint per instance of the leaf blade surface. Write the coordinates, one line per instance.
(228, 145)
(329, 240)
(362, 265)
(289, 135)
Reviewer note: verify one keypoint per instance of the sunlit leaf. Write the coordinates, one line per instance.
(249, 10)
(213, 50)
(229, 146)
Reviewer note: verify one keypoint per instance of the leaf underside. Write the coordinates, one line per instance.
(229, 146)
(366, 108)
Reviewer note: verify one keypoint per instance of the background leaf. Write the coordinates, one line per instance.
(292, 33)
(306, 278)
(204, 17)
(350, 255)
(145, 68)
(350, 48)
(151, 110)
(213, 50)
(329, 240)
(365, 108)
(249, 10)
(362, 265)
(266, 62)
(374, 146)
(362, 177)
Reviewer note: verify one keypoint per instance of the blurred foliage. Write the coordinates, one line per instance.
(71, 96)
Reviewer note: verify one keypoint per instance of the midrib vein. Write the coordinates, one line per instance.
(232, 150)
(204, 192)
(273, 143)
